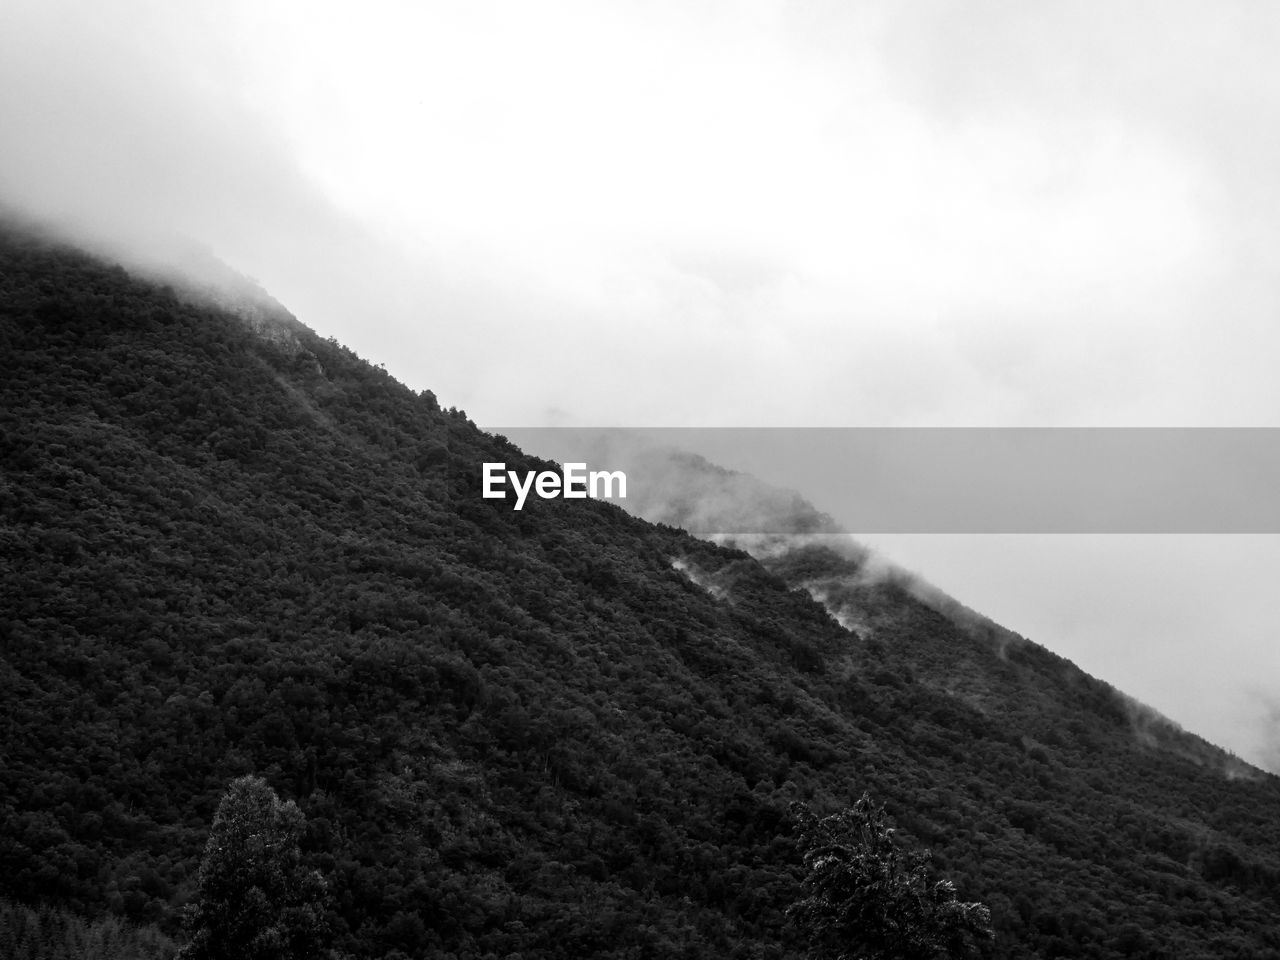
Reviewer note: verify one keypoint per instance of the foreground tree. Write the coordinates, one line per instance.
(256, 900)
(869, 900)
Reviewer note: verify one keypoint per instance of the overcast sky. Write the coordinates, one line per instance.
(744, 214)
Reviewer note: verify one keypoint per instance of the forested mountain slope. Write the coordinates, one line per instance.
(232, 546)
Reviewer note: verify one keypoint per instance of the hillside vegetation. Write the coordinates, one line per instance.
(230, 546)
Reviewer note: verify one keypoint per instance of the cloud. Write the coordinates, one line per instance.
(120, 120)
(1269, 753)
(797, 230)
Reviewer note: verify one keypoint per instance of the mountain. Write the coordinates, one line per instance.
(231, 546)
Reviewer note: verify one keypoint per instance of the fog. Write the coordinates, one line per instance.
(741, 214)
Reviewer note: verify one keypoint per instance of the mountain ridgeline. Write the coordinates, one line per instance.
(231, 546)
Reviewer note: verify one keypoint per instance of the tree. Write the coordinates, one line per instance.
(867, 899)
(256, 900)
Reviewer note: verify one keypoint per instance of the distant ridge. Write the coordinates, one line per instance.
(562, 732)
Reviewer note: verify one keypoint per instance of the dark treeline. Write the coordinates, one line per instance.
(234, 548)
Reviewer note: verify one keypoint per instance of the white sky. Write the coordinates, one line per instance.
(753, 213)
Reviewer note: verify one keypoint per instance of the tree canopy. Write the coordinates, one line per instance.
(225, 550)
(869, 899)
(256, 900)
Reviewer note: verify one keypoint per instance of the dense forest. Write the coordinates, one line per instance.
(231, 546)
